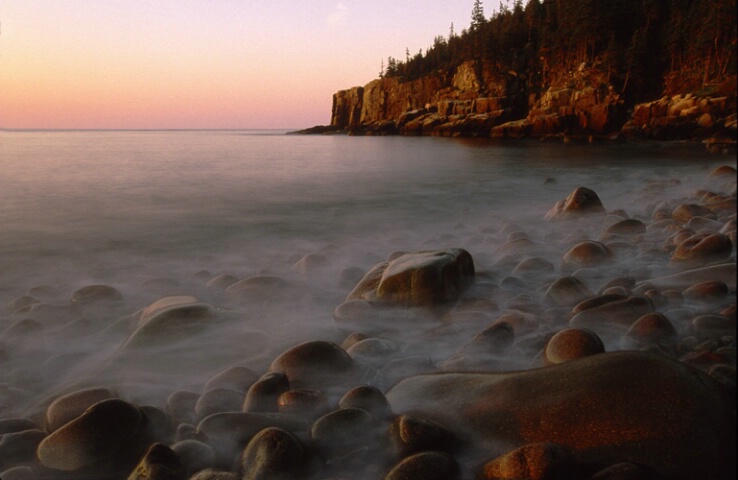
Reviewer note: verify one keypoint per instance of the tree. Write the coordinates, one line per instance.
(477, 18)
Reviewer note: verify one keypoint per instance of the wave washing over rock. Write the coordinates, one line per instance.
(595, 343)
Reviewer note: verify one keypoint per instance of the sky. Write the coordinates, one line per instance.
(179, 64)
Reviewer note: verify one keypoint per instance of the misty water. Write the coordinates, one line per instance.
(155, 214)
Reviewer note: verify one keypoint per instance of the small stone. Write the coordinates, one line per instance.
(273, 454)
(581, 201)
(572, 344)
(411, 434)
(194, 455)
(236, 378)
(649, 329)
(536, 461)
(343, 428)
(303, 402)
(315, 364)
(425, 465)
(369, 398)
(70, 406)
(262, 395)
(706, 291)
(701, 249)
(219, 400)
(586, 254)
(567, 291)
(159, 463)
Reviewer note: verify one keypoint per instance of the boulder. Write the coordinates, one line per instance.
(417, 279)
(581, 201)
(608, 408)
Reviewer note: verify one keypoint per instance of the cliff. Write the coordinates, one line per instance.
(485, 102)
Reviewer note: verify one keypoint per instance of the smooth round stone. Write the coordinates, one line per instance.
(345, 427)
(315, 364)
(373, 351)
(181, 406)
(12, 425)
(235, 378)
(567, 291)
(536, 461)
(303, 402)
(221, 282)
(273, 454)
(706, 291)
(367, 397)
(582, 200)
(684, 212)
(713, 326)
(533, 266)
(572, 344)
(626, 227)
(701, 249)
(194, 455)
(649, 329)
(95, 295)
(353, 338)
(426, 465)
(19, 448)
(411, 434)
(587, 254)
(260, 287)
(159, 463)
(610, 314)
(219, 400)
(310, 264)
(263, 394)
(158, 423)
(210, 474)
(106, 434)
(70, 406)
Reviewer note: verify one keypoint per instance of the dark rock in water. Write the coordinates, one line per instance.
(19, 448)
(626, 227)
(425, 465)
(411, 434)
(417, 279)
(482, 351)
(344, 428)
(586, 254)
(219, 400)
(567, 291)
(572, 344)
(70, 406)
(701, 249)
(369, 398)
(315, 364)
(181, 406)
(650, 329)
(581, 201)
(92, 296)
(159, 463)
(536, 461)
(273, 454)
(613, 315)
(236, 378)
(195, 455)
(11, 425)
(263, 394)
(708, 291)
(682, 425)
(108, 436)
(683, 213)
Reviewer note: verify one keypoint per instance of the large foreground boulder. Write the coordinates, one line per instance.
(417, 279)
(608, 408)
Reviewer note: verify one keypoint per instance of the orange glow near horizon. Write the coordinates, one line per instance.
(193, 64)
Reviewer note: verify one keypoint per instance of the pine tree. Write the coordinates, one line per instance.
(477, 19)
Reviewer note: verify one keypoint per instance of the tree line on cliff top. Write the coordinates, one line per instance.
(647, 46)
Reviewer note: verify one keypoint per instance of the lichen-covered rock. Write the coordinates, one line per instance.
(682, 425)
(418, 279)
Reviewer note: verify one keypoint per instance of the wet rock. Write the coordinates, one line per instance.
(373, 352)
(586, 254)
(708, 291)
(483, 351)
(581, 201)
(70, 406)
(725, 273)
(627, 227)
(701, 249)
(650, 329)
(567, 291)
(108, 435)
(181, 406)
(259, 288)
(221, 282)
(369, 398)
(159, 463)
(612, 315)
(713, 326)
(536, 461)
(682, 427)
(219, 400)
(236, 378)
(572, 344)
(343, 430)
(417, 279)
(273, 454)
(315, 364)
(211, 474)
(194, 455)
(425, 465)
(684, 212)
(19, 448)
(311, 263)
(95, 299)
(411, 434)
(11, 425)
(263, 394)
(303, 402)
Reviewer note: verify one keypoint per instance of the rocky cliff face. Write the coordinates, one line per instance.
(471, 101)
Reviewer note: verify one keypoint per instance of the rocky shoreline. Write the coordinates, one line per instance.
(579, 106)
(616, 362)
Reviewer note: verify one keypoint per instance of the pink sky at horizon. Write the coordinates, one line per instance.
(169, 64)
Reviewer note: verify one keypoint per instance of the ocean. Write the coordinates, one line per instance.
(158, 213)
